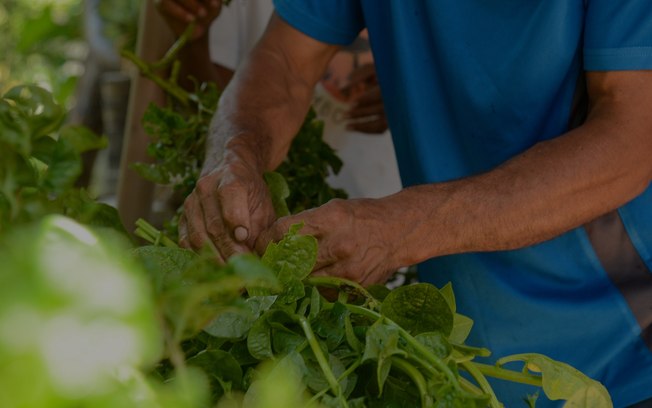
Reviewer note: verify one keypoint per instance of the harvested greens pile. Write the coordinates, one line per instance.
(88, 319)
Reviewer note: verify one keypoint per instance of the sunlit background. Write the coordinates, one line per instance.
(45, 41)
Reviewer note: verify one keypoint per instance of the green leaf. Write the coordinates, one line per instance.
(37, 105)
(80, 206)
(448, 294)
(462, 326)
(64, 166)
(315, 378)
(164, 265)
(83, 139)
(259, 341)
(382, 343)
(330, 324)
(418, 308)
(436, 343)
(254, 272)
(14, 129)
(563, 382)
(379, 292)
(219, 364)
(292, 259)
(236, 323)
(293, 256)
(397, 393)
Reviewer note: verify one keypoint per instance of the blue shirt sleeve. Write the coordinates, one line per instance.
(618, 35)
(330, 21)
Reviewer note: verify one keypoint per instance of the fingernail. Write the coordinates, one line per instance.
(241, 234)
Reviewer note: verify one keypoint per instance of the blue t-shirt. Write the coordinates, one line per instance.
(468, 84)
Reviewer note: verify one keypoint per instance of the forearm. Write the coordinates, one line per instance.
(266, 102)
(551, 188)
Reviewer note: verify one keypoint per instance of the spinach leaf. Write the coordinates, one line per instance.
(419, 308)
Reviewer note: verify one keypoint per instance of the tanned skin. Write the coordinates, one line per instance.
(549, 189)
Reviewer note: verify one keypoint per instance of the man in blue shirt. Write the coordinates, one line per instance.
(523, 131)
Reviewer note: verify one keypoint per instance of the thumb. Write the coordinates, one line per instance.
(235, 213)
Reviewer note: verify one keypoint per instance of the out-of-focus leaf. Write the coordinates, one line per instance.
(83, 139)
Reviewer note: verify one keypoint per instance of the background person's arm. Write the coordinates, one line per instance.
(260, 112)
(549, 189)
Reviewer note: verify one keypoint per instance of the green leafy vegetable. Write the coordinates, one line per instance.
(419, 308)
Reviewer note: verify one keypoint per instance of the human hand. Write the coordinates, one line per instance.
(227, 210)
(180, 13)
(367, 114)
(355, 240)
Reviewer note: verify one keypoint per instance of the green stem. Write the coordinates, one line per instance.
(321, 359)
(420, 348)
(342, 284)
(150, 234)
(416, 377)
(483, 383)
(351, 338)
(146, 69)
(470, 387)
(345, 374)
(508, 375)
(171, 54)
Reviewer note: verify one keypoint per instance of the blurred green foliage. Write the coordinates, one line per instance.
(121, 22)
(42, 41)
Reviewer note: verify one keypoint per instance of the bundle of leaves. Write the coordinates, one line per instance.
(41, 162)
(403, 347)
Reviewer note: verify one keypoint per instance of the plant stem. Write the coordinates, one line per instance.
(345, 374)
(147, 71)
(427, 355)
(321, 359)
(509, 375)
(343, 284)
(483, 383)
(171, 54)
(150, 234)
(416, 377)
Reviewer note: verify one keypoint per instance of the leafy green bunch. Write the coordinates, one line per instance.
(365, 348)
(40, 162)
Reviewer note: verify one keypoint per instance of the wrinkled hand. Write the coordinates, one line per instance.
(355, 241)
(228, 208)
(179, 13)
(367, 114)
